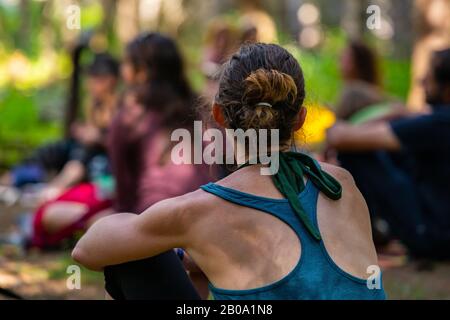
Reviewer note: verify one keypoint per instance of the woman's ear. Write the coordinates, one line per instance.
(301, 119)
(218, 115)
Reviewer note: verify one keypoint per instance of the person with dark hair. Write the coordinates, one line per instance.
(298, 234)
(432, 32)
(158, 100)
(401, 166)
(81, 193)
(362, 84)
(102, 78)
(359, 62)
(153, 69)
(75, 170)
(67, 157)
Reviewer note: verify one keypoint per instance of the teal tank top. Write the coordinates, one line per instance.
(315, 276)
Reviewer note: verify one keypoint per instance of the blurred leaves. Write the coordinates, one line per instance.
(21, 125)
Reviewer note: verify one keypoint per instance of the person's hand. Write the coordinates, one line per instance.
(49, 193)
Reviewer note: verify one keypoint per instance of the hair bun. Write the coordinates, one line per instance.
(269, 86)
(262, 87)
(264, 90)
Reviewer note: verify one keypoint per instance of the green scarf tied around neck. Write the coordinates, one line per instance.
(289, 180)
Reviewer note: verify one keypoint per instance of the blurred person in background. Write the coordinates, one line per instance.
(362, 100)
(158, 100)
(433, 33)
(69, 159)
(255, 16)
(220, 41)
(362, 84)
(401, 166)
(248, 32)
(82, 192)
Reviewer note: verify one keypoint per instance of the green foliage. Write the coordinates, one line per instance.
(322, 76)
(21, 125)
(91, 15)
(396, 77)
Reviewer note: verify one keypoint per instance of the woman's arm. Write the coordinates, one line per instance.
(127, 237)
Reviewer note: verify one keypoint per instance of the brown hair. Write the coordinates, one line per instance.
(167, 89)
(365, 62)
(262, 87)
(440, 66)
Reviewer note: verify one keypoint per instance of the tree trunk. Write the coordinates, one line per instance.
(24, 27)
(353, 20)
(109, 9)
(401, 14)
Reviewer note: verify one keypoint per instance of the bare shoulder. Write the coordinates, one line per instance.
(339, 173)
(347, 221)
(351, 196)
(352, 203)
(189, 209)
(177, 214)
(197, 201)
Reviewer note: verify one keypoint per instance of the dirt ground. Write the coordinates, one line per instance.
(44, 275)
(38, 275)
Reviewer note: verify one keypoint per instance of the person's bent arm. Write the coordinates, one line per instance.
(365, 137)
(127, 237)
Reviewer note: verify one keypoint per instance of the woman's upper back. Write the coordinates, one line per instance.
(255, 239)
